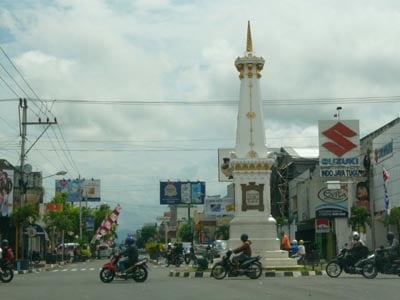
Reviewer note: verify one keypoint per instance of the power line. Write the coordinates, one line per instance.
(219, 102)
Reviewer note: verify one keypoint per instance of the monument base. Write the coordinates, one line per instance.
(262, 232)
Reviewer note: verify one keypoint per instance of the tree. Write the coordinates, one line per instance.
(25, 215)
(66, 220)
(185, 233)
(146, 234)
(22, 217)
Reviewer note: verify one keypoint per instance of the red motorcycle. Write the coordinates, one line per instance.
(138, 271)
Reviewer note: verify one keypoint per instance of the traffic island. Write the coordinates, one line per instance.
(268, 273)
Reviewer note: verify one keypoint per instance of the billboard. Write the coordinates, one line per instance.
(176, 193)
(79, 189)
(6, 192)
(339, 148)
(218, 207)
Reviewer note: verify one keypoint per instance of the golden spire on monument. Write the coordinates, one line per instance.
(249, 46)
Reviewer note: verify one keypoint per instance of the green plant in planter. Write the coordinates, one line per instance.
(359, 217)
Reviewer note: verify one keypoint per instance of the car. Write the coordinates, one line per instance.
(69, 250)
(104, 251)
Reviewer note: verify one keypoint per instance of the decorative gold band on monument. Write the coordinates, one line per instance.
(257, 166)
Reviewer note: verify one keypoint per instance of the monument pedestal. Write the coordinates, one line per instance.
(262, 234)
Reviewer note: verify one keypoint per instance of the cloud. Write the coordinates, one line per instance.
(156, 51)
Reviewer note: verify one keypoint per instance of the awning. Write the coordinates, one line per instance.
(34, 230)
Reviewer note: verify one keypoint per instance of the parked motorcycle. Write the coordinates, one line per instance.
(6, 272)
(201, 259)
(379, 263)
(251, 267)
(344, 262)
(35, 257)
(138, 271)
(190, 256)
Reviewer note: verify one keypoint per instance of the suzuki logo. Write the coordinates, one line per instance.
(338, 135)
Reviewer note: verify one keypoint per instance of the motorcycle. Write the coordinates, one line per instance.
(35, 257)
(251, 267)
(190, 256)
(344, 262)
(202, 259)
(138, 271)
(379, 263)
(174, 257)
(6, 272)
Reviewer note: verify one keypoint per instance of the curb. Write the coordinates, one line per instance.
(201, 274)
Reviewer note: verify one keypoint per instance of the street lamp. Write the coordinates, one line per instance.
(339, 108)
(59, 173)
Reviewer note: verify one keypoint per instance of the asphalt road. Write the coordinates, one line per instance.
(81, 281)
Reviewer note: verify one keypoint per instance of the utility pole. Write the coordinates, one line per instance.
(80, 207)
(23, 130)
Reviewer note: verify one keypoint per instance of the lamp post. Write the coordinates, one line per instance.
(339, 108)
(59, 173)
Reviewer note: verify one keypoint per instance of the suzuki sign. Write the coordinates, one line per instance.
(339, 148)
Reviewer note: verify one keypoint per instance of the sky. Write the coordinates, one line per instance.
(146, 91)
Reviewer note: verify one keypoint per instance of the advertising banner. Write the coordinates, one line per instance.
(6, 191)
(322, 226)
(218, 207)
(176, 193)
(54, 207)
(89, 223)
(339, 148)
(332, 203)
(79, 189)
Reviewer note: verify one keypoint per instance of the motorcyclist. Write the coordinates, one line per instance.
(393, 249)
(357, 249)
(130, 254)
(7, 252)
(243, 250)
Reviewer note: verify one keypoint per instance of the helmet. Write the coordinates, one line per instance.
(356, 236)
(4, 243)
(294, 242)
(244, 237)
(301, 242)
(129, 240)
(390, 236)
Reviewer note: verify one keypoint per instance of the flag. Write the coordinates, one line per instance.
(106, 225)
(385, 175)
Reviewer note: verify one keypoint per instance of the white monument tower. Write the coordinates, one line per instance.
(251, 167)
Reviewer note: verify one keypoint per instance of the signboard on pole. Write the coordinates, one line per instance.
(216, 206)
(339, 148)
(79, 189)
(176, 193)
